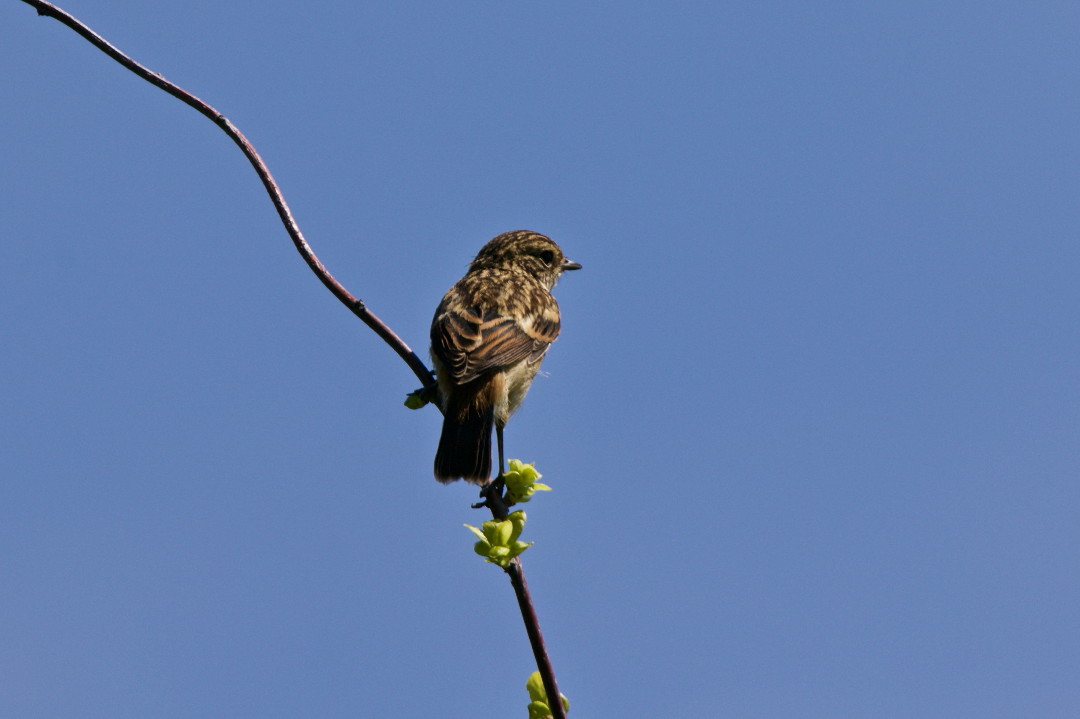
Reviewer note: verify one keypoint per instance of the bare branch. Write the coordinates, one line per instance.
(536, 639)
(357, 306)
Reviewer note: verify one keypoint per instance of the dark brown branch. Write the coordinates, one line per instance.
(517, 574)
(357, 306)
(536, 639)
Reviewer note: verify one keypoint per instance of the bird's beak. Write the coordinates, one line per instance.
(570, 265)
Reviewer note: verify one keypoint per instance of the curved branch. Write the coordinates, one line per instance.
(356, 306)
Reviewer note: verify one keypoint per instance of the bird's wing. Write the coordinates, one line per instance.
(470, 341)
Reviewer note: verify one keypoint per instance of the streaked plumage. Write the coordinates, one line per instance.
(488, 338)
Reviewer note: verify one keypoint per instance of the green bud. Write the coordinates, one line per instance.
(535, 687)
(521, 481)
(539, 710)
(415, 400)
(517, 523)
(498, 539)
(499, 531)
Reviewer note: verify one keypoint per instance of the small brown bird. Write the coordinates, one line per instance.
(488, 337)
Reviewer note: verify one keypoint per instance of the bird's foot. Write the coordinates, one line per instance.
(493, 498)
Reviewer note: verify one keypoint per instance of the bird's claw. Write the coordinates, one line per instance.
(493, 498)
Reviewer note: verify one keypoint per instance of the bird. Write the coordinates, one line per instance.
(488, 337)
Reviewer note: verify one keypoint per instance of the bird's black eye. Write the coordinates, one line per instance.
(547, 256)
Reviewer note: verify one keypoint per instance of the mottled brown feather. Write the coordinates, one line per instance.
(488, 337)
(485, 335)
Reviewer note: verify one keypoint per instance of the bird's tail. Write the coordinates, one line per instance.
(465, 444)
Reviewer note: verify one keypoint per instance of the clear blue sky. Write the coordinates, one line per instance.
(813, 423)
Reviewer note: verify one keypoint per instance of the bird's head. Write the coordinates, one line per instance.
(524, 251)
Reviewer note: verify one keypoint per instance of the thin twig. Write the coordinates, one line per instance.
(517, 574)
(536, 639)
(357, 306)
